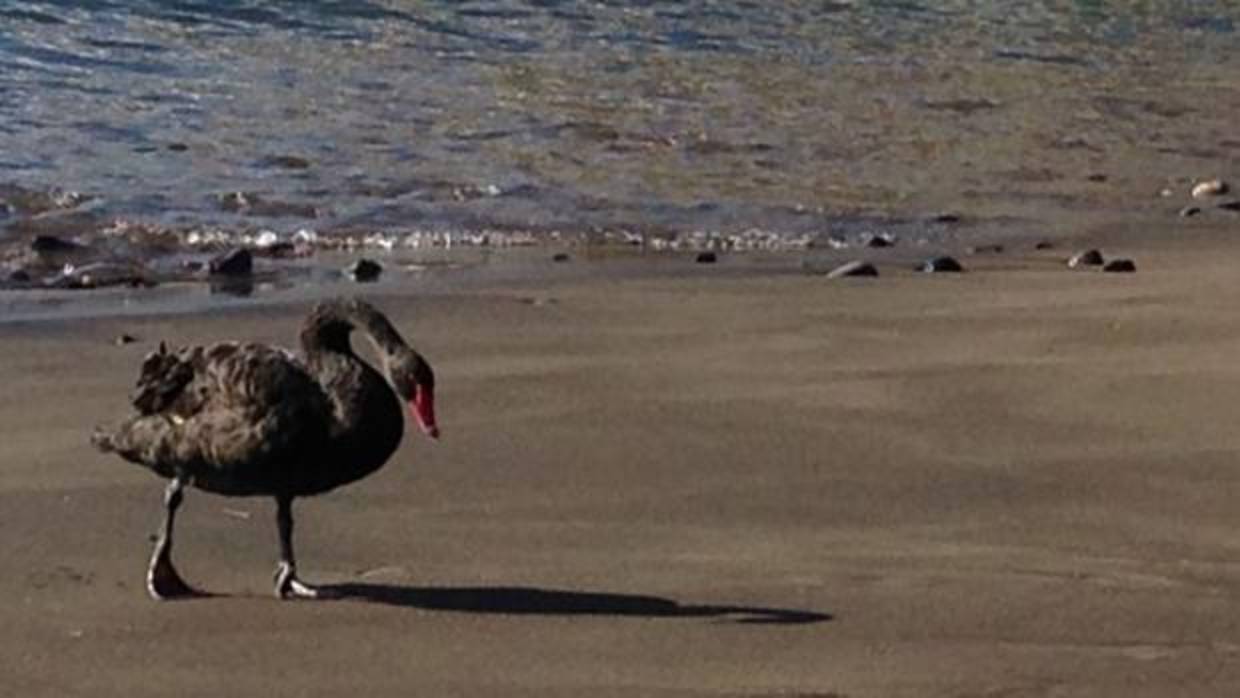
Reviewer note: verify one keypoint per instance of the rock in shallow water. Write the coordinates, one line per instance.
(879, 240)
(854, 268)
(51, 243)
(940, 264)
(363, 270)
(235, 262)
(707, 258)
(1120, 266)
(1088, 258)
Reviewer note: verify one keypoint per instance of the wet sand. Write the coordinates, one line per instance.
(1019, 481)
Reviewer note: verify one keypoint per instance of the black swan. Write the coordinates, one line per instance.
(249, 419)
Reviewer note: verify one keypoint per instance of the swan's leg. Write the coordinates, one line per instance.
(162, 580)
(287, 583)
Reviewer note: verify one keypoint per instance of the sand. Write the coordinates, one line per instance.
(1019, 481)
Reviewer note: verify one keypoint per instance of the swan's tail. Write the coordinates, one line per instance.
(101, 438)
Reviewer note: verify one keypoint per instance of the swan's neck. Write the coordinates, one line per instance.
(369, 414)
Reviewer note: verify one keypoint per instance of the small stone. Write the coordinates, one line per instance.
(51, 243)
(1233, 206)
(1044, 245)
(1189, 211)
(984, 249)
(560, 257)
(1097, 177)
(854, 268)
(178, 147)
(123, 339)
(235, 262)
(940, 264)
(19, 276)
(947, 217)
(364, 270)
(1088, 258)
(1209, 187)
(875, 240)
(707, 258)
(1120, 265)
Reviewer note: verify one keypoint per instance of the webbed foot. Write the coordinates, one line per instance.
(288, 586)
(163, 582)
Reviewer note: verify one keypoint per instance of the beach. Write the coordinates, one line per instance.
(1016, 481)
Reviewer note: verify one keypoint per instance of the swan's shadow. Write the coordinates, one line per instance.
(558, 602)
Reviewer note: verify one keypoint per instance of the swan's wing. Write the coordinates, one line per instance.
(223, 408)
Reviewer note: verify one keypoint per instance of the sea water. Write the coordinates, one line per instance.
(641, 122)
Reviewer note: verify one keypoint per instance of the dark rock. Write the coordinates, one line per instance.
(854, 268)
(560, 257)
(707, 258)
(940, 264)
(51, 243)
(946, 218)
(1097, 177)
(19, 276)
(879, 240)
(1233, 205)
(123, 339)
(984, 249)
(363, 270)
(1088, 258)
(1044, 245)
(178, 147)
(1189, 211)
(235, 262)
(1120, 265)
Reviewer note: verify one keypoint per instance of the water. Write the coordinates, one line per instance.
(779, 121)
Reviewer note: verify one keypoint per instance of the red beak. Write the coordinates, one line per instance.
(423, 408)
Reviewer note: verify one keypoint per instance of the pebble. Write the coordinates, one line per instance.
(1120, 265)
(1230, 206)
(123, 339)
(1088, 258)
(1189, 211)
(235, 262)
(1209, 187)
(364, 270)
(854, 268)
(940, 264)
(1044, 245)
(560, 257)
(877, 240)
(707, 258)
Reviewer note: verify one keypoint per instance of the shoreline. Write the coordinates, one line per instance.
(440, 270)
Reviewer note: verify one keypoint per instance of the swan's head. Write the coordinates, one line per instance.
(414, 381)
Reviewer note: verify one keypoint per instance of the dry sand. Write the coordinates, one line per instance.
(1020, 481)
